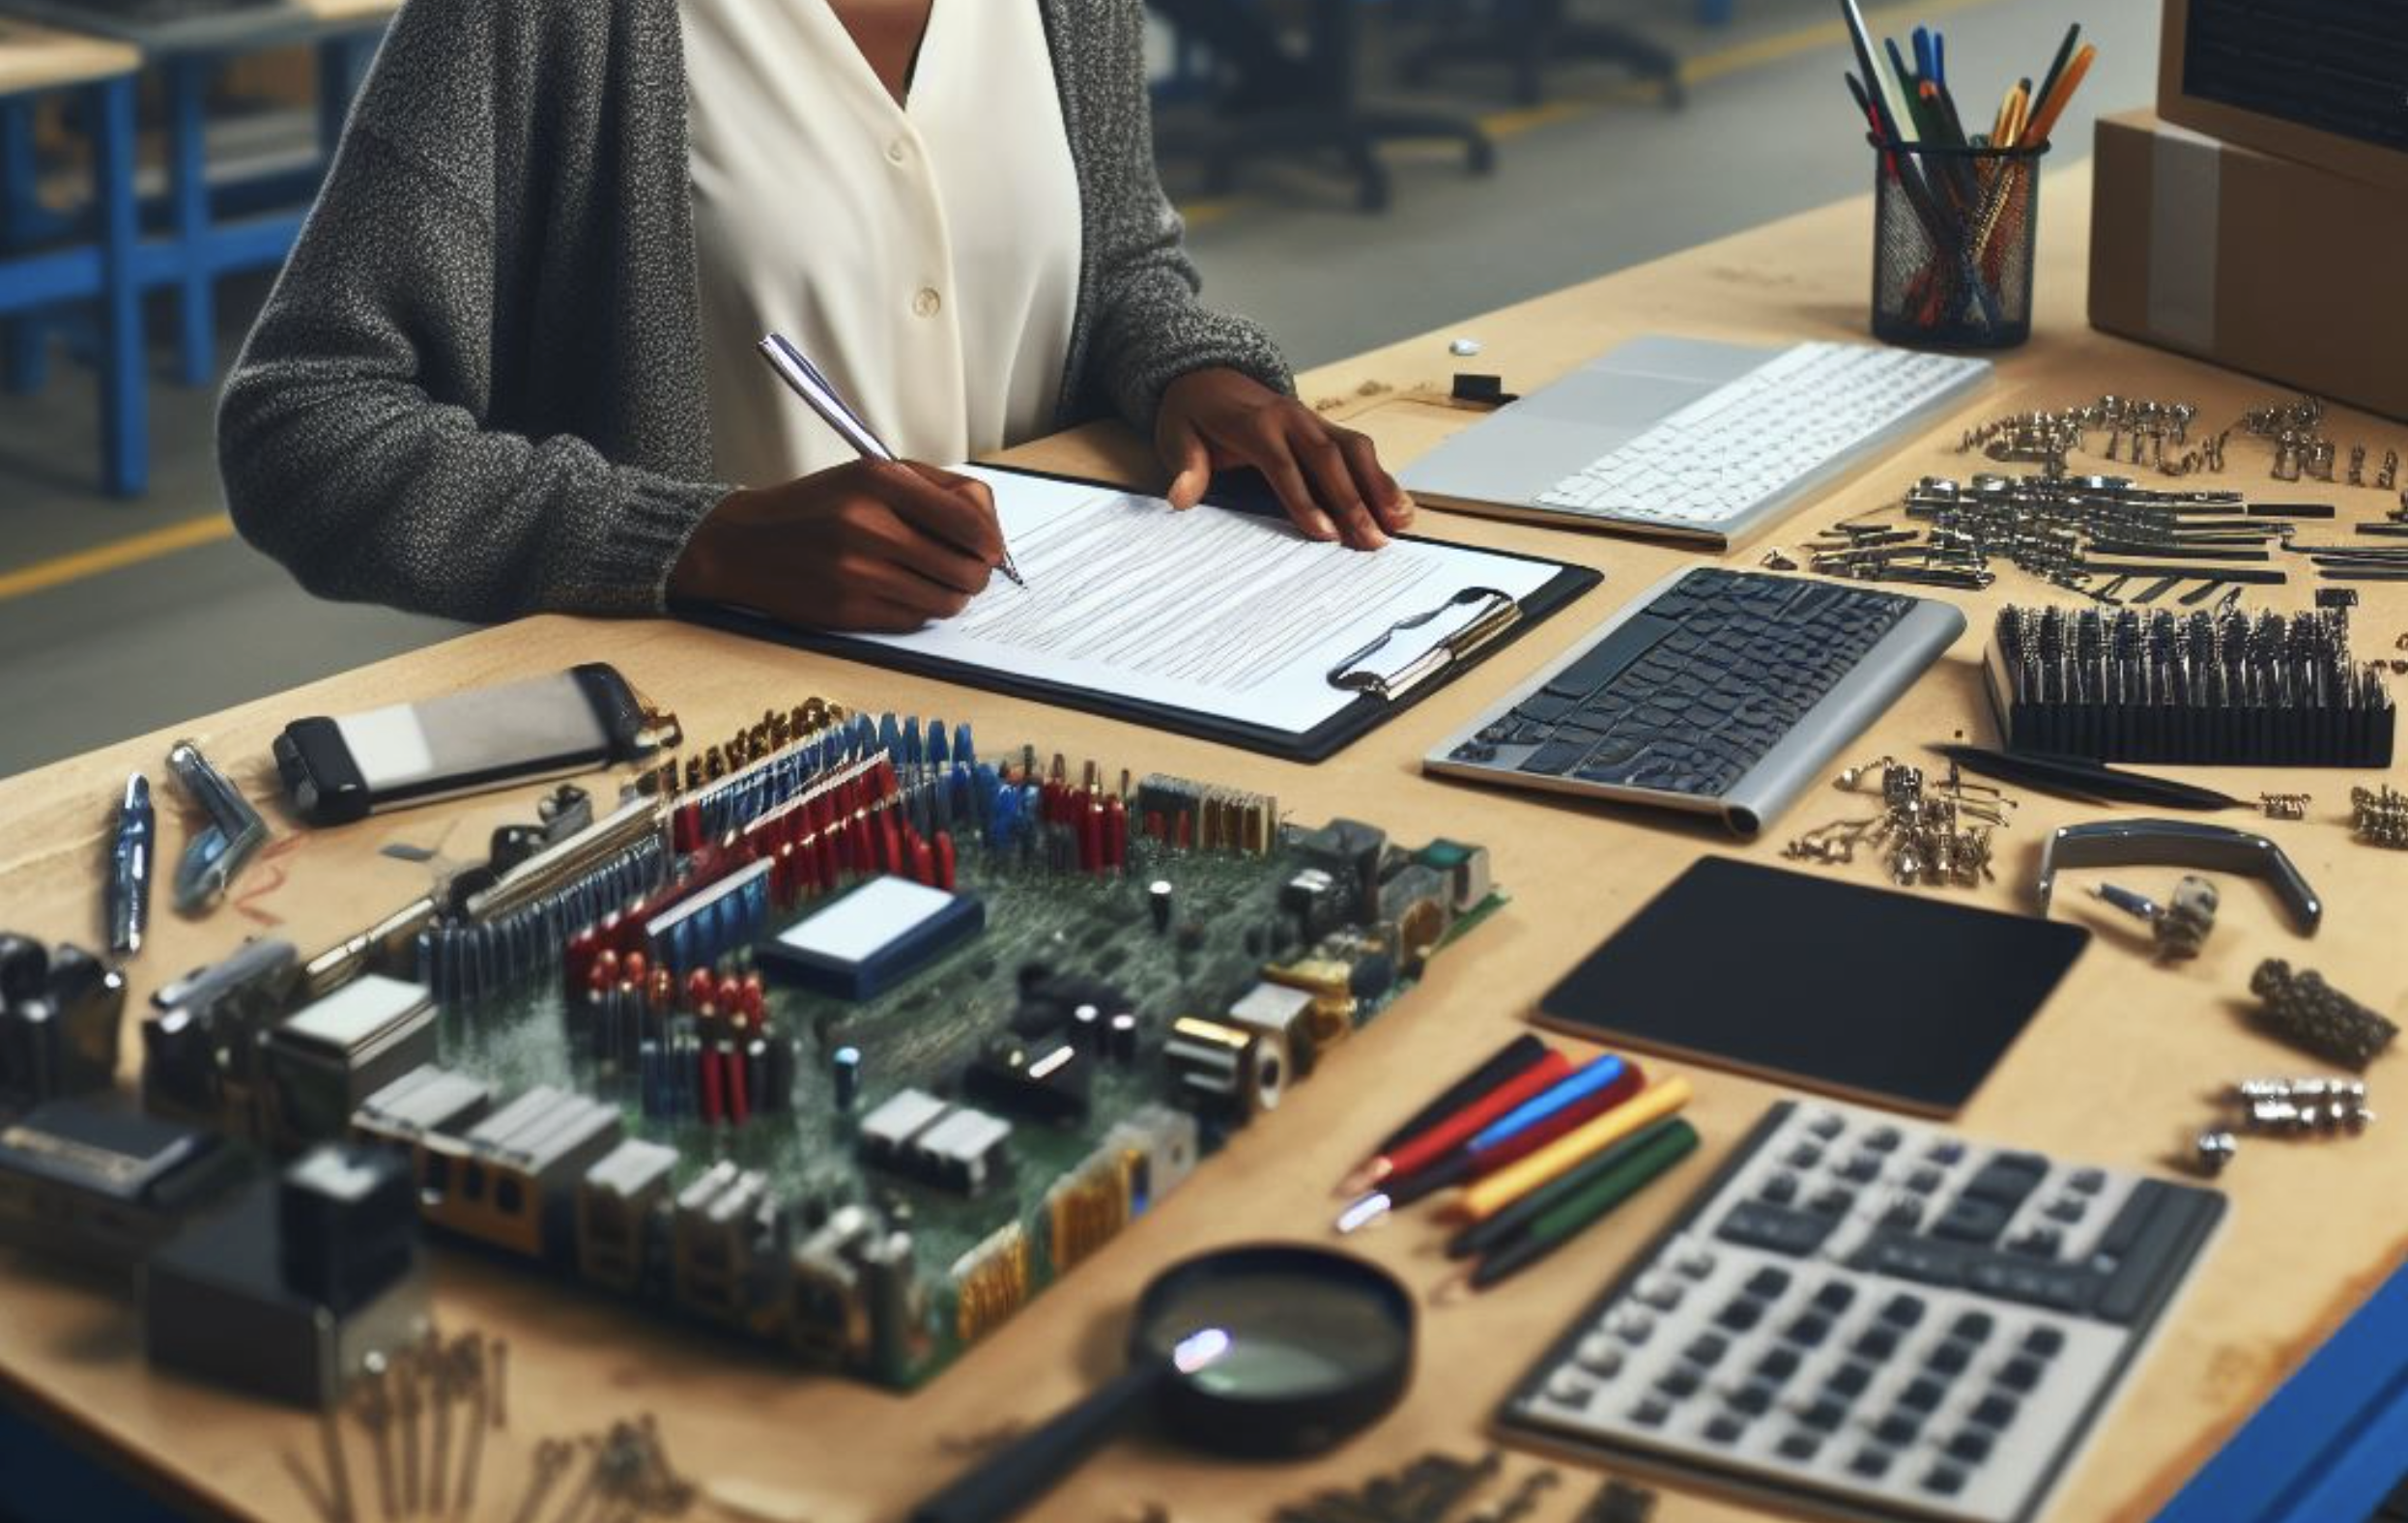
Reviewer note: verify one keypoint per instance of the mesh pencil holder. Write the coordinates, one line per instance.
(1952, 244)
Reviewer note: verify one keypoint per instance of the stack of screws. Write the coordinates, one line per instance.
(2282, 1108)
(1426, 1491)
(622, 1475)
(1936, 835)
(2380, 816)
(2303, 1010)
(424, 1411)
(2285, 806)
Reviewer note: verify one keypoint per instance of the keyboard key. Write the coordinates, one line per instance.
(1974, 1327)
(1869, 1462)
(1945, 1480)
(1606, 660)
(1680, 1382)
(1809, 1331)
(1778, 1364)
(1862, 1169)
(2045, 1343)
(1824, 1414)
(1850, 1379)
(1781, 1189)
(1950, 1358)
(1555, 757)
(1741, 1316)
(1883, 1139)
(1707, 1349)
(2020, 1374)
(1970, 1219)
(1923, 1394)
(1971, 1444)
(1902, 1311)
(1725, 1430)
(1898, 1429)
(1755, 1398)
(1833, 1202)
(1996, 1411)
(1651, 1412)
(1768, 1283)
(2006, 1179)
(1799, 1446)
(1752, 1224)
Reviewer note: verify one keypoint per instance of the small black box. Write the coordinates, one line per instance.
(348, 1217)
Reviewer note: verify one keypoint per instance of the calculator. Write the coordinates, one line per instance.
(1865, 1317)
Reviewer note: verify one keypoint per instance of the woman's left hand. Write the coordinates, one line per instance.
(1328, 479)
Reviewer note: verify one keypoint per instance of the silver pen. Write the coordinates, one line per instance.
(805, 380)
(221, 848)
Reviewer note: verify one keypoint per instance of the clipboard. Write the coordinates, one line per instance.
(1418, 655)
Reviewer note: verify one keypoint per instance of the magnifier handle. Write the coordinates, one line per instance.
(1034, 1465)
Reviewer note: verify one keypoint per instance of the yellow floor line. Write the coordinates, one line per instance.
(114, 556)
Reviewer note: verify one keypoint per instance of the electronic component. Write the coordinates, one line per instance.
(59, 1018)
(334, 1053)
(728, 1240)
(2303, 1010)
(1863, 1316)
(1048, 1081)
(1718, 692)
(90, 1182)
(1227, 1070)
(1691, 439)
(304, 1283)
(200, 1053)
(2180, 928)
(1282, 1017)
(619, 1204)
(2205, 688)
(338, 770)
(512, 1180)
(871, 938)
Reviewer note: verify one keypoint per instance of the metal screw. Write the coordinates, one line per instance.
(2212, 1150)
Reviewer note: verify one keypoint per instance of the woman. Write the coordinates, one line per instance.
(508, 368)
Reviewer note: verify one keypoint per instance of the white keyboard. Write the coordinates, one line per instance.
(1764, 437)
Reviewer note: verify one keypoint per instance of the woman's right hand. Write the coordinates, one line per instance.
(873, 546)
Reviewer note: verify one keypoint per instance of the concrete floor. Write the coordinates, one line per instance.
(1611, 180)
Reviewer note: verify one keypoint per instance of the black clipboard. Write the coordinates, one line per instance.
(1384, 690)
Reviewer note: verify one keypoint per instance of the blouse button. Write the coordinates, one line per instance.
(895, 152)
(928, 303)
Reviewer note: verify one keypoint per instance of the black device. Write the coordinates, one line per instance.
(1765, 971)
(1269, 1351)
(97, 1184)
(336, 770)
(59, 1019)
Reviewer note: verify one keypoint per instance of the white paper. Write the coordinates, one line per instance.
(1224, 614)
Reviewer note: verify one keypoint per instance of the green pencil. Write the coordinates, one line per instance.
(1575, 1215)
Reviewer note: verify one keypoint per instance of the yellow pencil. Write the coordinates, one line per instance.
(2045, 118)
(2005, 118)
(2019, 107)
(1488, 1196)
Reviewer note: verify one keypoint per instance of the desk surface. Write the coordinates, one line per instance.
(35, 57)
(2116, 1070)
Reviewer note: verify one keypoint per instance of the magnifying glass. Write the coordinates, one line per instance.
(1271, 1351)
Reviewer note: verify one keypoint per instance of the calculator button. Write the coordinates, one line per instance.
(1876, 1344)
(1599, 1354)
(1768, 1283)
(1680, 1382)
(1809, 1331)
(1971, 1444)
(1973, 1327)
(1804, 1156)
(1862, 1169)
(1905, 1214)
(1799, 1446)
(1778, 1365)
(1725, 1429)
(1970, 1219)
(2006, 1179)
(1946, 1154)
(1826, 1414)
(1883, 1139)
(2020, 1374)
(1836, 1297)
(1632, 1327)
(1950, 1358)
(1707, 1349)
(1697, 1263)
(1781, 1189)
(1902, 1311)
(1923, 1394)
(2067, 1209)
(1832, 1202)
(1753, 1399)
(2086, 1180)
(1995, 1411)
(1741, 1316)
(1871, 1463)
(1752, 1224)
(1946, 1479)
(1571, 1388)
(1850, 1379)
(1663, 1295)
(1651, 1412)
(2044, 1341)
(1826, 1124)
(1923, 1181)
(1898, 1429)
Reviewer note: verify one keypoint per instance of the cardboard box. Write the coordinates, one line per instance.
(2280, 269)
(2321, 81)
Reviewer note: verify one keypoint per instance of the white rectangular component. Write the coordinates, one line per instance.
(866, 921)
(357, 1014)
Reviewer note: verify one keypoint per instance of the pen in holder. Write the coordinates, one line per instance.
(1952, 244)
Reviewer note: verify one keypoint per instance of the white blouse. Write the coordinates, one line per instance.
(925, 256)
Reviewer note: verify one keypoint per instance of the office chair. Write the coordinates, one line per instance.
(1273, 102)
(1529, 35)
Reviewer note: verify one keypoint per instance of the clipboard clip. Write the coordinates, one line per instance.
(1414, 658)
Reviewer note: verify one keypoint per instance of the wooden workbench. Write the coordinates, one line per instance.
(36, 57)
(2116, 1070)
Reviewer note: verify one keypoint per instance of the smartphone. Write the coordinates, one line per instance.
(338, 770)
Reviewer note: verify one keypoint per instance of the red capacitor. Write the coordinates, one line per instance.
(923, 862)
(604, 971)
(1115, 835)
(732, 1066)
(1153, 824)
(756, 999)
(687, 833)
(729, 995)
(890, 841)
(1187, 832)
(944, 860)
(701, 988)
(664, 990)
(636, 969)
(1090, 841)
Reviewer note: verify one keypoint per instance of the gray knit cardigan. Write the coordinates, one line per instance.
(477, 388)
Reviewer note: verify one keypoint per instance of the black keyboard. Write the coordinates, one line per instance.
(1721, 690)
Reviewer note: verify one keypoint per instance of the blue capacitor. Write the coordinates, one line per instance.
(845, 1073)
(911, 741)
(1005, 819)
(890, 735)
(962, 750)
(938, 753)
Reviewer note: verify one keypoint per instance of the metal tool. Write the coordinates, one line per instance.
(2180, 928)
(2180, 843)
(132, 854)
(222, 848)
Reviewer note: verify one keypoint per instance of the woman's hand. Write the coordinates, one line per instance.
(1328, 479)
(871, 546)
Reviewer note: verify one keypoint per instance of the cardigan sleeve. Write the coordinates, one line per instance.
(354, 438)
(1149, 327)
